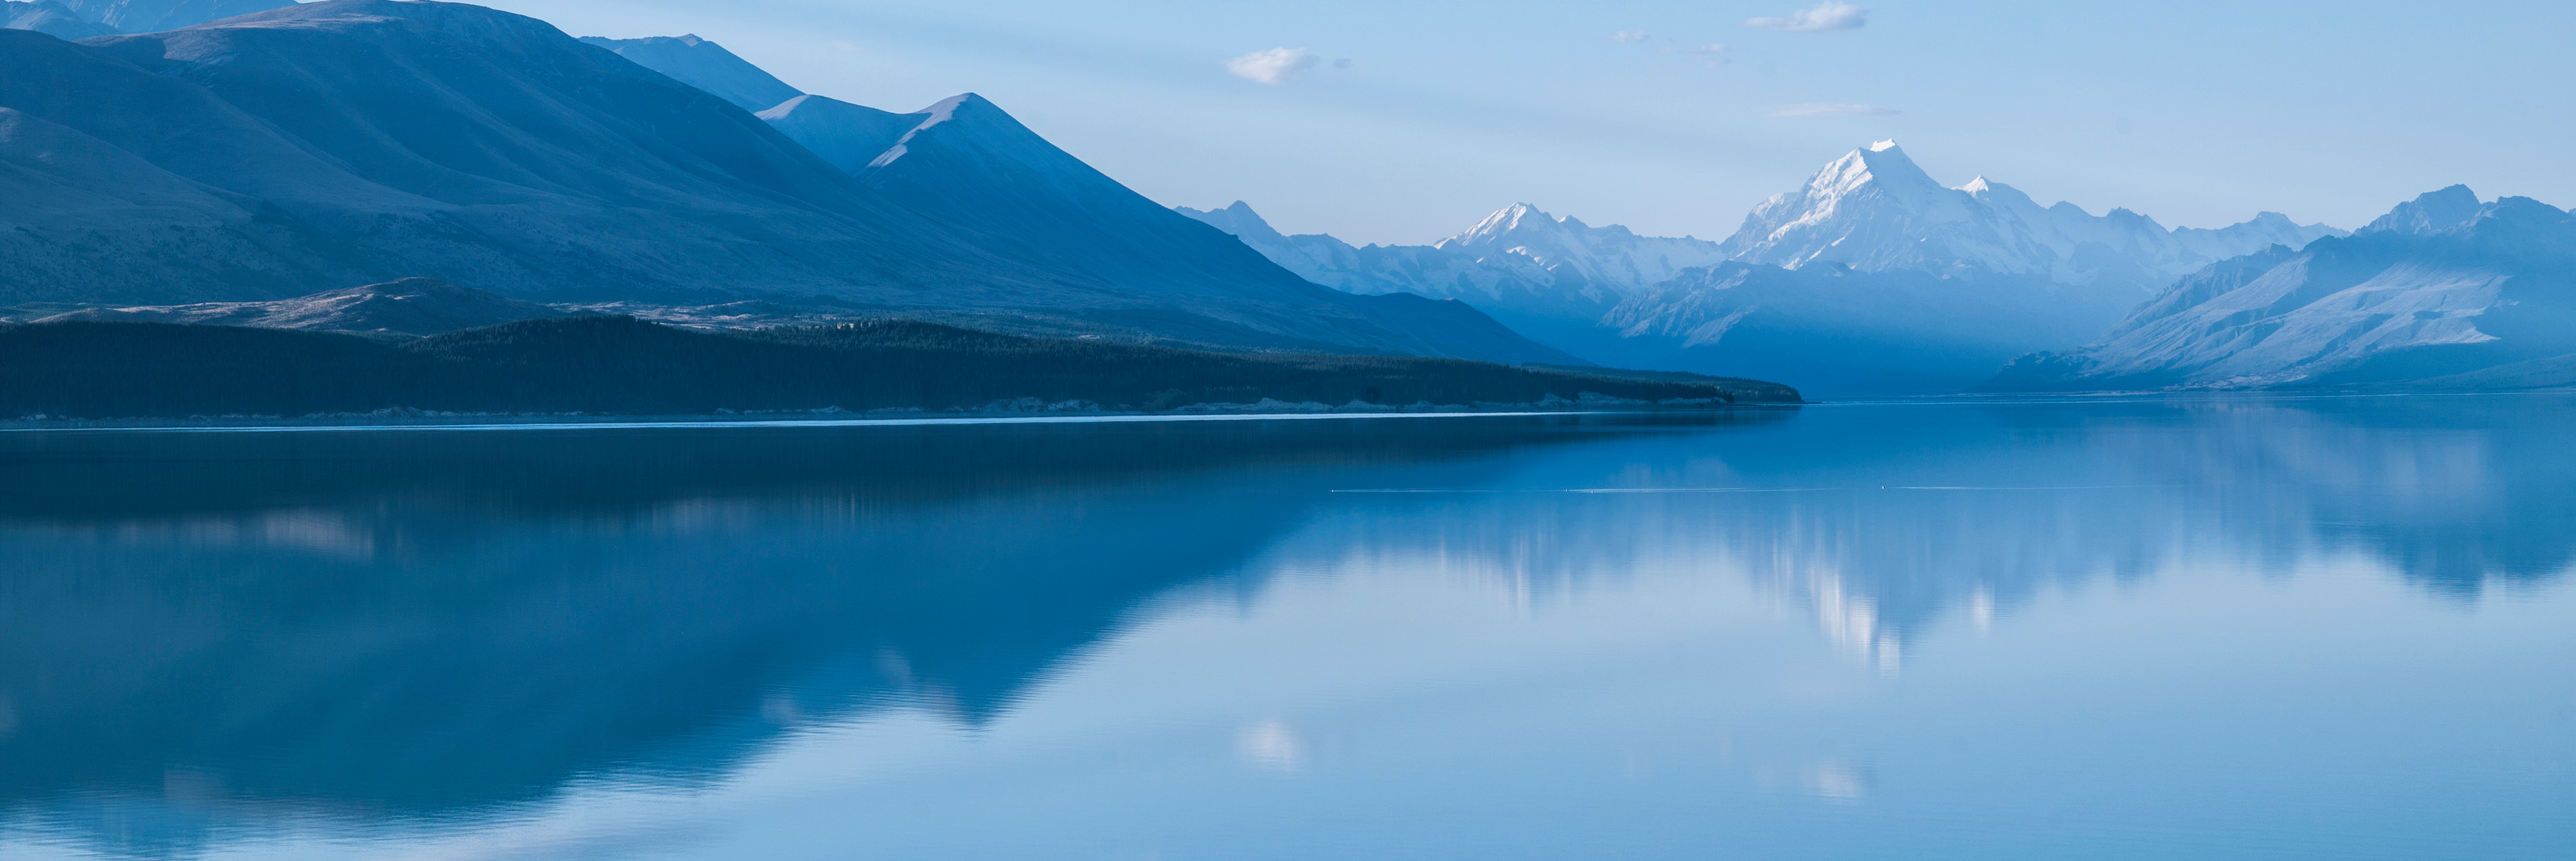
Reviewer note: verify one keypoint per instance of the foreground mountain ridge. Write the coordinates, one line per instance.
(50, 18)
(346, 142)
(103, 17)
(704, 65)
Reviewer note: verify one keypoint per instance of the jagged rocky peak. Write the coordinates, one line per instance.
(1518, 218)
(1875, 210)
(2430, 213)
(1884, 166)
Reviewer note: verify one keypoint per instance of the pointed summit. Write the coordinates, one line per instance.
(2430, 213)
(1240, 220)
(1519, 219)
(847, 135)
(1874, 209)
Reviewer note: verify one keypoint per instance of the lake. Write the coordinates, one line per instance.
(2155, 628)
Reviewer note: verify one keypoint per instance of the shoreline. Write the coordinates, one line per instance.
(230, 424)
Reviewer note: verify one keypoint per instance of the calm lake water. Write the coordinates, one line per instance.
(2157, 629)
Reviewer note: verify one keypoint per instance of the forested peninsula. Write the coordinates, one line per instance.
(604, 365)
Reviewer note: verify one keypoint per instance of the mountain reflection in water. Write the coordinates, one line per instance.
(204, 635)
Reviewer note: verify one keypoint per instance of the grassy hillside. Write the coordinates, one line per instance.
(619, 365)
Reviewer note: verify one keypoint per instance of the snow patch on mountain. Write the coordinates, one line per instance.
(1875, 210)
(2442, 285)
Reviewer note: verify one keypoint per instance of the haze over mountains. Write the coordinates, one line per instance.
(360, 141)
(255, 169)
(1871, 279)
(2444, 291)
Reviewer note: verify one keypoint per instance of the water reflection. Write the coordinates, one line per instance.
(202, 633)
(415, 625)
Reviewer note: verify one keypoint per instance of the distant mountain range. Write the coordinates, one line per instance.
(1872, 279)
(470, 165)
(329, 144)
(2442, 292)
(1874, 210)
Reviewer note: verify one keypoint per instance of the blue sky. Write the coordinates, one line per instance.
(1676, 117)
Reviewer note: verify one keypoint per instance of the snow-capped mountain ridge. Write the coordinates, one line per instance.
(1875, 210)
(1871, 277)
(2441, 285)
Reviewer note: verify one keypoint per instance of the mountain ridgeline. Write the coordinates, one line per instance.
(317, 146)
(623, 366)
(243, 162)
(2444, 292)
(1872, 279)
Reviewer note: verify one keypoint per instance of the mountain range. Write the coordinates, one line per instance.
(347, 142)
(1875, 210)
(249, 169)
(2444, 291)
(1872, 279)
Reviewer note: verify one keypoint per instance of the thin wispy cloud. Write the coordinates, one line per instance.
(1820, 109)
(1823, 18)
(1629, 36)
(1273, 67)
(1711, 55)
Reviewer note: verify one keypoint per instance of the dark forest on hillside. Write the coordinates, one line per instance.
(618, 365)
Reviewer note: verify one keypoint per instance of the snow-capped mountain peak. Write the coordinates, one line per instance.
(1883, 169)
(1519, 219)
(1874, 209)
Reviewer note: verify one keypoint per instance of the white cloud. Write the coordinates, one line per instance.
(1815, 109)
(1825, 17)
(1274, 67)
(1629, 36)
